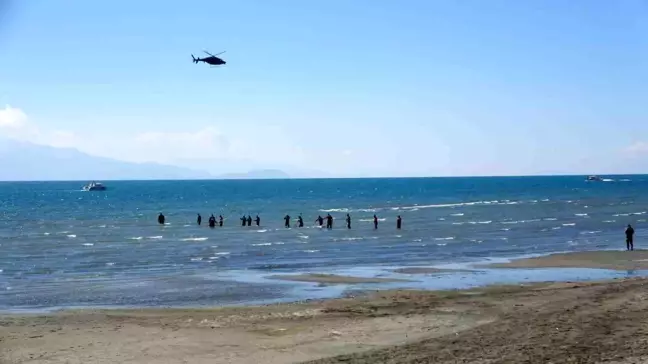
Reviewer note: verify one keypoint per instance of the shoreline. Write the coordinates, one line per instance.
(335, 283)
(435, 326)
(618, 260)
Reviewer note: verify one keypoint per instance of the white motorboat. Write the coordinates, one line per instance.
(94, 186)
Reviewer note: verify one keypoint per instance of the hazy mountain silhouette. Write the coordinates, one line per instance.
(24, 161)
(257, 174)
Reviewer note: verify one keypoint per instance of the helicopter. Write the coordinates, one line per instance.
(212, 59)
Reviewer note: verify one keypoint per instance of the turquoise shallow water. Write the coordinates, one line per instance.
(62, 247)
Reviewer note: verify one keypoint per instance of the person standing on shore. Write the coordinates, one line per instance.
(161, 219)
(199, 220)
(348, 221)
(300, 221)
(329, 221)
(220, 220)
(258, 220)
(629, 238)
(375, 222)
(399, 222)
(320, 221)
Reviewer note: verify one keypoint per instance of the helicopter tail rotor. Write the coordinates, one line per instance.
(194, 59)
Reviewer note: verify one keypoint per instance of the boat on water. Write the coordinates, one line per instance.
(94, 186)
(594, 178)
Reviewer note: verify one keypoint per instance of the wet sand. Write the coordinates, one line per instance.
(615, 260)
(333, 279)
(428, 270)
(551, 322)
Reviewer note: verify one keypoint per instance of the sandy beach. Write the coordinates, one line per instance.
(615, 260)
(587, 322)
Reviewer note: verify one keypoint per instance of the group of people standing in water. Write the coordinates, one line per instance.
(247, 221)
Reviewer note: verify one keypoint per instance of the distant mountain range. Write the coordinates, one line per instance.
(24, 161)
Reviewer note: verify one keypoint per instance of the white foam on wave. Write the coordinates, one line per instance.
(88, 244)
(346, 209)
(197, 259)
(110, 264)
(279, 243)
(155, 237)
(195, 239)
(351, 239)
(556, 228)
(457, 214)
(223, 253)
(262, 231)
(590, 232)
(617, 215)
(550, 219)
(137, 238)
(310, 251)
(417, 240)
(457, 223)
(46, 234)
(639, 213)
(371, 220)
(569, 224)
(581, 215)
(72, 236)
(607, 180)
(609, 221)
(446, 238)
(545, 200)
(506, 229)
(262, 244)
(480, 222)
(303, 236)
(442, 244)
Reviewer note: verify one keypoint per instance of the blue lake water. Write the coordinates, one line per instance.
(62, 247)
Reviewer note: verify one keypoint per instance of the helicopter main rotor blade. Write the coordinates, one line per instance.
(218, 54)
(209, 53)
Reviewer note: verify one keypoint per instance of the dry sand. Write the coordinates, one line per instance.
(541, 323)
(333, 279)
(616, 260)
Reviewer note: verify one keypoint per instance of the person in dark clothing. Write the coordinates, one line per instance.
(212, 221)
(243, 220)
(220, 220)
(161, 219)
(329, 221)
(348, 221)
(375, 222)
(319, 221)
(257, 220)
(287, 220)
(199, 220)
(300, 221)
(249, 220)
(629, 238)
(399, 222)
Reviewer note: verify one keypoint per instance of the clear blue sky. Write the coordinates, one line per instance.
(362, 87)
